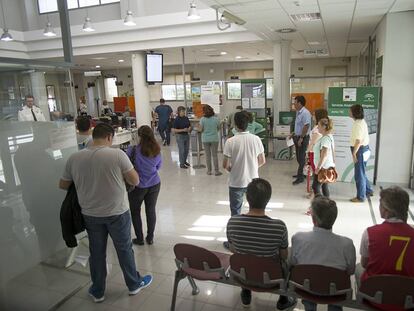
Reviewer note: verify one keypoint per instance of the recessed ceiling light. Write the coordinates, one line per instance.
(238, 57)
(223, 53)
(285, 30)
(306, 17)
(314, 43)
(208, 50)
(97, 66)
(98, 58)
(120, 60)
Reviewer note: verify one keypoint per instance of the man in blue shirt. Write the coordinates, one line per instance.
(301, 135)
(164, 113)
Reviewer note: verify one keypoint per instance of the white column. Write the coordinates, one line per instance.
(281, 75)
(141, 92)
(38, 82)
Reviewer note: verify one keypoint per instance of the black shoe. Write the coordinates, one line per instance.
(187, 164)
(226, 245)
(137, 242)
(149, 241)
(296, 176)
(183, 166)
(246, 297)
(298, 181)
(370, 194)
(285, 302)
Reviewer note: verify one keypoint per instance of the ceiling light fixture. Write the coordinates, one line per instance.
(120, 60)
(129, 19)
(87, 25)
(6, 36)
(192, 12)
(285, 30)
(238, 57)
(223, 53)
(97, 66)
(49, 31)
(306, 17)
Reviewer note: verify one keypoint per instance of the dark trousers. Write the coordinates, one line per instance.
(149, 196)
(165, 133)
(301, 154)
(311, 306)
(119, 228)
(361, 180)
(316, 187)
(183, 142)
(246, 293)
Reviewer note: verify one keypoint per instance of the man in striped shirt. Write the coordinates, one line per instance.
(257, 234)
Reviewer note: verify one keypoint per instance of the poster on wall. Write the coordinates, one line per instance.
(338, 109)
(253, 93)
(210, 95)
(196, 99)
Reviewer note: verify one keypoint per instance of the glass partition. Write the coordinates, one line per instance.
(32, 159)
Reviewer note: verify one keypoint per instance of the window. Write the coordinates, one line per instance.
(111, 90)
(234, 90)
(47, 6)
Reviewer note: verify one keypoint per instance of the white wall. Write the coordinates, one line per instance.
(396, 140)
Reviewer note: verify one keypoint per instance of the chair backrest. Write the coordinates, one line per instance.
(256, 270)
(196, 257)
(320, 280)
(394, 290)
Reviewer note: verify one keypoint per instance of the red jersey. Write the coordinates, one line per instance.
(391, 251)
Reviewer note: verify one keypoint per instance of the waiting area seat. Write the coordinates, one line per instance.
(315, 283)
(387, 292)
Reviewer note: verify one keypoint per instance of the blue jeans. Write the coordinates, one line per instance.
(119, 228)
(362, 183)
(311, 306)
(236, 199)
(183, 142)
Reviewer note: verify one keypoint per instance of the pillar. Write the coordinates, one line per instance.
(281, 76)
(141, 92)
(38, 82)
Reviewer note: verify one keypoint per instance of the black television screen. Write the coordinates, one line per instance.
(154, 68)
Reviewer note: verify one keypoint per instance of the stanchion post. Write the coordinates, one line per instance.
(198, 165)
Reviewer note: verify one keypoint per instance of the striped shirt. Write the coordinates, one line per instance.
(257, 235)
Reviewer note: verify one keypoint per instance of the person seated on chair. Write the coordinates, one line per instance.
(321, 246)
(388, 248)
(257, 234)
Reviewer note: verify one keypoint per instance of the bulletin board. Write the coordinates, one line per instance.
(253, 94)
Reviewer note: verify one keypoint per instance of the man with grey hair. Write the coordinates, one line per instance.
(321, 246)
(388, 248)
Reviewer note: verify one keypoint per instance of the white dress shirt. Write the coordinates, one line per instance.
(25, 114)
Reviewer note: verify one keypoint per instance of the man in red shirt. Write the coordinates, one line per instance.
(388, 248)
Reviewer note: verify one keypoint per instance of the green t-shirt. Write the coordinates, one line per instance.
(210, 129)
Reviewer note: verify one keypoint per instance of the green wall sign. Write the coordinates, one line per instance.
(340, 99)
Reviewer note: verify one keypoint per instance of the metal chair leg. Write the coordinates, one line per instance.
(195, 291)
(177, 279)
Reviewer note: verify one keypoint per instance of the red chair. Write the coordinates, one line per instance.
(387, 292)
(320, 284)
(198, 263)
(259, 274)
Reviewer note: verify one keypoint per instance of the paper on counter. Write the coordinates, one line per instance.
(289, 142)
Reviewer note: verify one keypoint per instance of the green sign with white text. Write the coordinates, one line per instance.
(340, 99)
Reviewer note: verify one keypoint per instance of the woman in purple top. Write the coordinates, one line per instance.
(147, 161)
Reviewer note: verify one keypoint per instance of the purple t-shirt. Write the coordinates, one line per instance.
(146, 167)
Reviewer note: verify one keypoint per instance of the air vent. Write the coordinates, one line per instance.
(214, 55)
(306, 17)
(285, 30)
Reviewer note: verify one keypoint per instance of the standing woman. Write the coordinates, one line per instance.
(147, 161)
(323, 151)
(182, 128)
(360, 153)
(209, 128)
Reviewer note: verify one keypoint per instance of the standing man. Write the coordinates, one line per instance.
(99, 174)
(301, 136)
(164, 113)
(243, 155)
(30, 112)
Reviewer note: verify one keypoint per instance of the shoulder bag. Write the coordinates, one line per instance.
(328, 175)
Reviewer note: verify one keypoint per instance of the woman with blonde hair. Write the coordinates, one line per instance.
(324, 154)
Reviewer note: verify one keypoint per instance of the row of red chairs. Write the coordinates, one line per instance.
(320, 284)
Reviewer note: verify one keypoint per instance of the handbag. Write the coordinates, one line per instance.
(328, 175)
(129, 187)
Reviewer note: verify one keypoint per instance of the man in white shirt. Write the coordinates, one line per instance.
(243, 155)
(30, 112)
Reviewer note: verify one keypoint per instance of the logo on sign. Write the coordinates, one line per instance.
(369, 98)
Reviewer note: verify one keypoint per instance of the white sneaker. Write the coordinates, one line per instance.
(97, 300)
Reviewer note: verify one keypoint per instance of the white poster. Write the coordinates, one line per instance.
(258, 103)
(246, 103)
(349, 94)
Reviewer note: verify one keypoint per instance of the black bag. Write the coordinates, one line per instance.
(71, 218)
(129, 187)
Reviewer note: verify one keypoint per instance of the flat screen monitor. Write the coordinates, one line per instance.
(154, 68)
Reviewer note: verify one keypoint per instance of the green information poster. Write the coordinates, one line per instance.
(340, 99)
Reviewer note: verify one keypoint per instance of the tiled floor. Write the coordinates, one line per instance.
(192, 207)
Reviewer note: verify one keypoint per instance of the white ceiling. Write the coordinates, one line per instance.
(343, 30)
